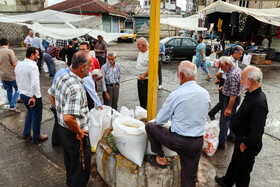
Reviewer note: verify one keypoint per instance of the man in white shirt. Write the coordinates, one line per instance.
(37, 43)
(142, 67)
(28, 39)
(27, 77)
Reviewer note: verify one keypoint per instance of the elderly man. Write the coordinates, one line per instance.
(27, 77)
(231, 90)
(68, 96)
(248, 126)
(187, 107)
(237, 53)
(8, 62)
(84, 46)
(200, 60)
(110, 83)
(142, 67)
(28, 39)
(52, 52)
(37, 43)
(100, 50)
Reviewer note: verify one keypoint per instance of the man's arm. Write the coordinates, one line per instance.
(165, 112)
(229, 107)
(143, 76)
(52, 99)
(90, 88)
(72, 124)
(202, 54)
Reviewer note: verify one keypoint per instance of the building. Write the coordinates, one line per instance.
(165, 4)
(111, 2)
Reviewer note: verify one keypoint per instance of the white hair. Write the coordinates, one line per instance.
(225, 59)
(188, 69)
(145, 42)
(112, 53)
(97, 72)
(254, 73)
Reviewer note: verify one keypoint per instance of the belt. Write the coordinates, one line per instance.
(115, 84)
(194, 137)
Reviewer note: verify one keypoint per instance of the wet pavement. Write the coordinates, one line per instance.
(26, 164)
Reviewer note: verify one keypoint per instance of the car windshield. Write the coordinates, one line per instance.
(127, 31)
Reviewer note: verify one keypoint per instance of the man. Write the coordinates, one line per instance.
(48, 56)
(110, 83)
(76, 44)
(8, 62)
(69, 98)
(70, 51)
(37, 43)
(28, 39)
(84, 46)
(231, 90)
(187, 107)
(142, 66)
(265, 42)
(161, 53)
(248, 126)
(27, 77)
(200, 60)
(100, 50)
(62, 44)
(237, 53)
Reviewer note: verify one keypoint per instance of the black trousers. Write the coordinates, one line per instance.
(220, 104)
(113, 91)
(188, 148)
(240, 167)
(159, 72)
(55, 137)
(101, 60)
(75, 175)
(143, 92)
(39, 63)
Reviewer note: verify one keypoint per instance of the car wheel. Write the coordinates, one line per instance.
(119, 40)
(167, 57)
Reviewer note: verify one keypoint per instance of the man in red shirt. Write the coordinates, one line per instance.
(86, 47)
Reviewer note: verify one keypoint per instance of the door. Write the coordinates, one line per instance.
(116, 24)
(175, 44)
(188, 47)
(106, 23)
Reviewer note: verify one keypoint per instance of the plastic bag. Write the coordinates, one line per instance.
(193, 59)
(126, 112)
(59, 64)
(95, 128)
(140, 112)
(211, 138)
(115, 115)
(45, 67)
(3, 96)
(246, 59)
(131, 138)
(106, 116)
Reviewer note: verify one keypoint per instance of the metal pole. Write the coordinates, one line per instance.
(153, 59)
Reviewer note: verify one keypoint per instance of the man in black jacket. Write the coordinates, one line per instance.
(248, 127)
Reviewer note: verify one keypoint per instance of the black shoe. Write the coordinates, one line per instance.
(220, 180)
(230, 139)
(27, 138)
(222, 146)
(212, 117)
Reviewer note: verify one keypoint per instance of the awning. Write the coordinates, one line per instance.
(269, 16)
(188, 23)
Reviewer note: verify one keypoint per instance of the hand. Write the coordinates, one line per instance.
(101, 107)
(142, 77)
(227, 112)
(221, 88)
(106, 96)
(243, 147)
(194, 51)
(217, 81)
(203, 60)
(82, 134)
(32, 102)
(29, 45)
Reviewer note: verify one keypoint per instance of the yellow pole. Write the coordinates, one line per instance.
(153, 59)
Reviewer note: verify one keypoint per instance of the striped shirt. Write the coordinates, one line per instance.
(70, 99)
(232, 86)
(112, 75)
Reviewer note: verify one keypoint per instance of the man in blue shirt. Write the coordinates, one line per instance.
(187, 107)
(37, 43)
(161, 53)
(200, 60)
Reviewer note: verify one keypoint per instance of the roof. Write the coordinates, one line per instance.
(130, 7)
(87, 7)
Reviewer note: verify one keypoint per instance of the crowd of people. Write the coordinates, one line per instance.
(73, 94)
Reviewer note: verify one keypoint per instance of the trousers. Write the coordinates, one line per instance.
(188, 148)
(202, 65)
(142, 86)
(160, 72)
(101, 60)
(75, 175)
(113, 91)
(55, 138)
(12, 98)
(50, 63)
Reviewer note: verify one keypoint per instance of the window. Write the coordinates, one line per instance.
(243, 3)
(172, 1)
(175, 42)
(187, 42)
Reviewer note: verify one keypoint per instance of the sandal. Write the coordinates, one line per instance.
(152, 160)
(15, 110)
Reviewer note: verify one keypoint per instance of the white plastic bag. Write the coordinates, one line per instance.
(3, 96)
(59, 64)
(106, 115)
(95, 128)
(131, 138)
(140, 112)
(115, 115)
(45, 67)
(126, 112)
(193, 59)
(246, 59)
(211, 138)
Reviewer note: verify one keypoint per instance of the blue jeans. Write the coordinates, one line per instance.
(225, 122)
(202, 65)
(33, 117)
(50, 63)
(9, 88)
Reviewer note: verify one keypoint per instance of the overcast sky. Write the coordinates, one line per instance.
(180, 3)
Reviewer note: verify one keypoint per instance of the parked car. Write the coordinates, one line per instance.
(181, 47)
(130, 36)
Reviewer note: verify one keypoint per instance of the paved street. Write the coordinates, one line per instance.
(26, 164)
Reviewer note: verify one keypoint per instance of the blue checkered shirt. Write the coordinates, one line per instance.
(232, 86)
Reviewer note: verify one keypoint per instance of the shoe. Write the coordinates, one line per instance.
(220, 180)
(160, 87)
(221, 146)
(50, 75)
(42, 138)
(230, 139)
(27, 138)
(211, 116)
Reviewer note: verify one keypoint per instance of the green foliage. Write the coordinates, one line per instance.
(111, 142)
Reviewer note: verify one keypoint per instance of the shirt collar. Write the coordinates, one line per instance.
(231, 69)
(76, 76)
(28, 60)
(256, 91)
(188, 83)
